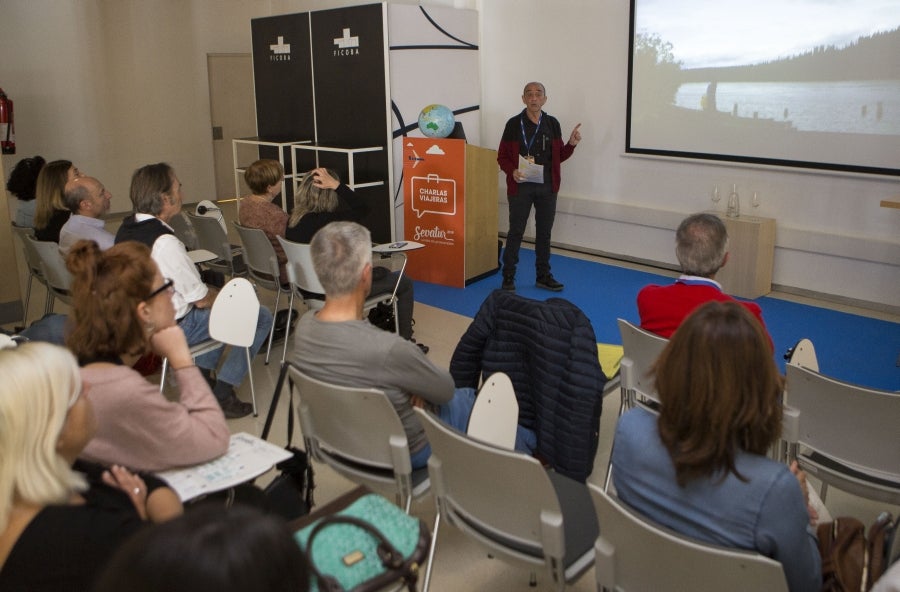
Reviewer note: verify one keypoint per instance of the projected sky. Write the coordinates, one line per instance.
(740, 32)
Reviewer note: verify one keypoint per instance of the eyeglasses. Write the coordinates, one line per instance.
(166, 285)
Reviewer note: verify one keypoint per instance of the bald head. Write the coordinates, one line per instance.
(87, 196)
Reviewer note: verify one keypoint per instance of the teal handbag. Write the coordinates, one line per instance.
(365, 546)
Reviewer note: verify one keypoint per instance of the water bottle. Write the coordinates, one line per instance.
(734, 203)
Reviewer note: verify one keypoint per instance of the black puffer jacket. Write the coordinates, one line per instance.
(549, 351)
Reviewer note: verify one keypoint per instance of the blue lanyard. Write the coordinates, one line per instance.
(536, 130)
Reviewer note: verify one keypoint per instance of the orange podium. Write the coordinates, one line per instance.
(450, 206)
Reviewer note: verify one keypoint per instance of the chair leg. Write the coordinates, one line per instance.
(287, 331)
(162, 374)
(27, 300)
(272, 329)
(250, 376)
(434, 539)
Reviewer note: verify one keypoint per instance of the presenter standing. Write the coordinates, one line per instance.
(530, 154)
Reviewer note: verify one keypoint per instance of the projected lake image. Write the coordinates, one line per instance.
(742, 81)
(862, 107)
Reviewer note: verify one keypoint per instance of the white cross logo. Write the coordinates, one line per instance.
(346, 41)
(281, 46)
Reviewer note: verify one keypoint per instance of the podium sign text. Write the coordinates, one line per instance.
(434, 173)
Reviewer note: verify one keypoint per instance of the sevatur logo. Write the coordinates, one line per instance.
(281, 51)
(347, 45)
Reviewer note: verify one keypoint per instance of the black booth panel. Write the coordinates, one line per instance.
(348, 49)
(284, 96)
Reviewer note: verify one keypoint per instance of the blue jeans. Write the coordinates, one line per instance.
(50, 328)
(195, 325)
(543, 199)
(455, 414)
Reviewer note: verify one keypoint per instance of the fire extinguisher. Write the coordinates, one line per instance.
(7, 127)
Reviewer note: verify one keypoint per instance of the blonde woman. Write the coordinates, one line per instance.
(60, 520)
(50, 212)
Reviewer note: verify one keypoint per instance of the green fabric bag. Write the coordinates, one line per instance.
(364, 546)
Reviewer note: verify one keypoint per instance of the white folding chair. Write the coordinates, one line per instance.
(232, 321)
(640, 350)
(506, 502)
(212, 237)
(184, 231)
(262, 267)
(804, 354)
(33, 262)
(634, 555)
(495, 415)
(843, 434)
(357, 432)
(53, 268)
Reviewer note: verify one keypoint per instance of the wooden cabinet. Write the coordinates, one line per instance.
(751, 244)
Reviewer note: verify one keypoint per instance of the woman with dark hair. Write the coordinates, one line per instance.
(50, 212)
(700, 466)
(60, 519)
(122, 308)
(22, 183)
(264, 177)
(210, 549)
(321, 199)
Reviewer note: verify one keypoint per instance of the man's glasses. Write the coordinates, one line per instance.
(166, 285)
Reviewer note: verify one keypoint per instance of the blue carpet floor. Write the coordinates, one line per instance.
(849, 347)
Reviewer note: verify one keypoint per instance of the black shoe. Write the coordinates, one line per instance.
(421, 346)
(233, 408)
(548, 283)
(509, 283)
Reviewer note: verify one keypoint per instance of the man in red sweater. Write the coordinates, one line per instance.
(701, 243)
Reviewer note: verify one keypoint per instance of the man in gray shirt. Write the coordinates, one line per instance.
(88, 200)
(337, 345)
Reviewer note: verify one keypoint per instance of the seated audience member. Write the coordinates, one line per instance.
(156, 197)
(22, 182)
(700, 466)
(50, 212)
(701, 246)
(210, 549)
(264, 178)
(337, 345)
(88, 200)
(60, 519)
(122, 307)
(321, 199)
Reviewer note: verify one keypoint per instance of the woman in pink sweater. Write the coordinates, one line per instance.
(122, 308)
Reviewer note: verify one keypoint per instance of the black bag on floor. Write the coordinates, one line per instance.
(382, 316)
(290, 494)
(281, 318)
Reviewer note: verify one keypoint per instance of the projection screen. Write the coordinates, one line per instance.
(803, 83)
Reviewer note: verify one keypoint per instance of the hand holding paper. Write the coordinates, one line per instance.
(529, 172)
